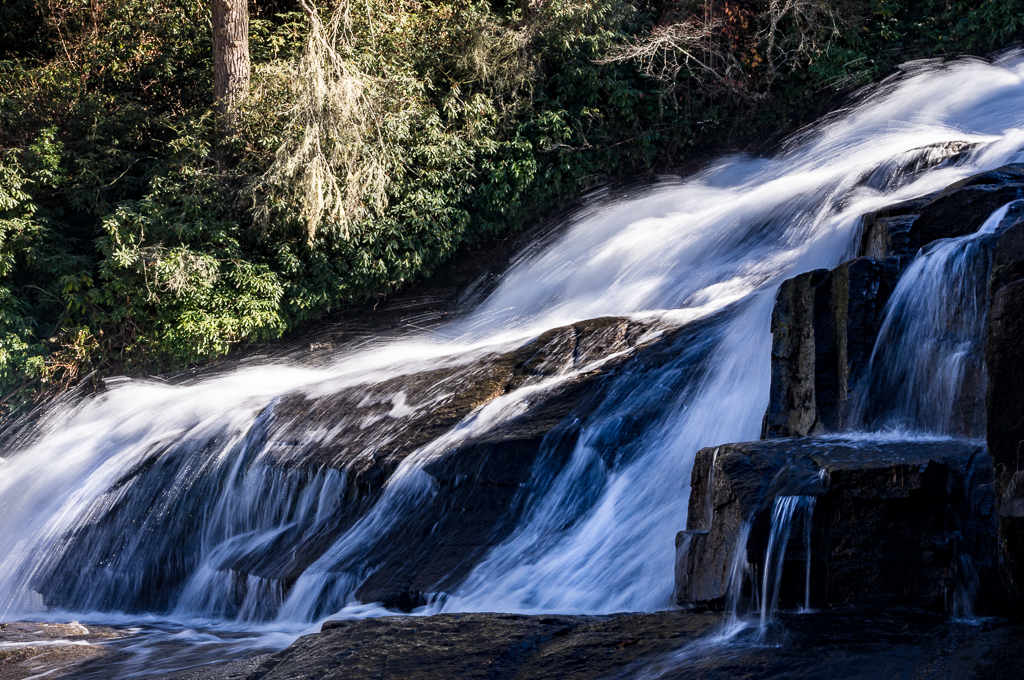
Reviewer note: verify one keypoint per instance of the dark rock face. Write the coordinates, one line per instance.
(473, 510)
(891, 525)
(962, 207)
(824, 327)
(1008, 257)
(475, 480)
(308, 435)
(1005, 399)
(477, 503)
(886, 233)
(299, 437)
(903, 229)
(825, 323)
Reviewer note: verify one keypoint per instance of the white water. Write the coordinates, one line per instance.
(597, 535)
(927, 370)
(784, 510)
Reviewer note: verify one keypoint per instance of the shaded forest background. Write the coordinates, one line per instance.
(140, 231)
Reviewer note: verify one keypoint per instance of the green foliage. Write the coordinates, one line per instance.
(20, 355)
(136, 235)
(176, 284)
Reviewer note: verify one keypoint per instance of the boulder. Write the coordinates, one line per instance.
(32, 649)
(893, 522)
(824, 326)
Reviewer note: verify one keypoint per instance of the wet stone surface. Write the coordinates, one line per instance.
(892, 524)
(902, 229)
(475, 479)
(50, 649)
(824, 326)
(672, 644)
(1005, 399)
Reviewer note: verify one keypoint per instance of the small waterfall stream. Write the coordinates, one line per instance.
(785, 509)
(808, 526)
(195, 502)
(926, 377)
(927, 372)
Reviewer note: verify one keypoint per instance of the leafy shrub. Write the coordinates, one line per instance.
(379, 135)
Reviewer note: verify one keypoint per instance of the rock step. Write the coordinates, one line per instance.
(894, 523)
(901, 230)
(825, 324)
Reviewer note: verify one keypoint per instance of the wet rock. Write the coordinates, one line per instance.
(962, 207)
(370, 430)
(478, 499)
(494, 646)
(53, 650)
(891, 524)
(237, 669)
(475, 480)
(1008, 257)
(1005, 399)
(914, 162)
(364, 433)
(792, 407)
(670, 645)
(825, 322)
(824, 326)
(473, 509)
(886, 233)
(468, 479)
(903, 229)
(489, 645)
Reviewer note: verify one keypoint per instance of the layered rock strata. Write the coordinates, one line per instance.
(823, 330)
(893, 523)
(907, 514)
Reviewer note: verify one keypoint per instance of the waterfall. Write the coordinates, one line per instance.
(784, 509)
(808, 525)
(199, 500)
(740, 575)
(927, 369)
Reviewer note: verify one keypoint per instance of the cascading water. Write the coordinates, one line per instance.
(784, 511)
(808, 526)
(927, 371)
(187, 501)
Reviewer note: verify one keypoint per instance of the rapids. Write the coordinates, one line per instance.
(173, 481)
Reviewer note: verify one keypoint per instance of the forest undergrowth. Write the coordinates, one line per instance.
(141, 232)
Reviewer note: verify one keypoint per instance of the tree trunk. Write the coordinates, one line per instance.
(230, 52)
